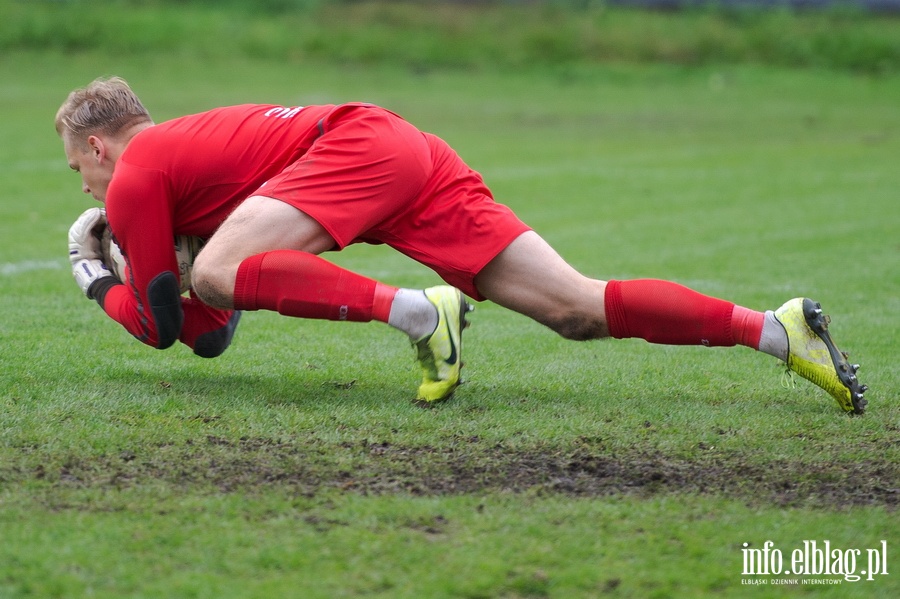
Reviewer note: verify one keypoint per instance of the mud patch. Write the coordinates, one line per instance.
(311, 467)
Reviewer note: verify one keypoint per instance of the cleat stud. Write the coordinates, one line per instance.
(846, 355)
(852, 378)
(817, 311)
(863, 388)
(843, 368)
(854, 367)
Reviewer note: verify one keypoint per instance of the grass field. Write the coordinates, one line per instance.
(296, 464)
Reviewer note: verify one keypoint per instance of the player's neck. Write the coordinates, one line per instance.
(116, 145)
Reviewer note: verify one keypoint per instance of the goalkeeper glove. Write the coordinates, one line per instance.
(85, 253)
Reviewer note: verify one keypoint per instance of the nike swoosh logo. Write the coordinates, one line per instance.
(451, 360)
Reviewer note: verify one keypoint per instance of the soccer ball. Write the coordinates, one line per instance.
(186, 249)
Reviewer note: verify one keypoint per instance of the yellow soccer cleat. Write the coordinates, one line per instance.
(813, 355)
(439, 353)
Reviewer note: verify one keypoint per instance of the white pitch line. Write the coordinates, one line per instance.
(9, 269)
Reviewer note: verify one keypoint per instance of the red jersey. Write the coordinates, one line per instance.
(184, 177)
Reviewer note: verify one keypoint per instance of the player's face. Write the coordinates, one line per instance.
(92, 164)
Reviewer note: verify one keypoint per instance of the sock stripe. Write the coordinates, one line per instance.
(247, 282)
(615, 310)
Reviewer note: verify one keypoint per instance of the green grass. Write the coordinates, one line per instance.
(296, 465)
(387, 546)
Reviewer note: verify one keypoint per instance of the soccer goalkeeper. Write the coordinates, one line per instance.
(271, 188)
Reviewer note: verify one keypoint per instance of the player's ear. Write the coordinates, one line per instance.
(97, 147)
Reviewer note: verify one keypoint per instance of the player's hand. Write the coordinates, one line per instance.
(84, 249)
(84, 240)
(87, 272)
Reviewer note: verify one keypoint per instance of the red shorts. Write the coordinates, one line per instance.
(372, 177)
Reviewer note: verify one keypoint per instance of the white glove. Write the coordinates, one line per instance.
(84, 236)
(88, 271)
(84, 249)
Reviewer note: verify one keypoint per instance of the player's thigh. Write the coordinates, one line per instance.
(261, 224)
(530, 277)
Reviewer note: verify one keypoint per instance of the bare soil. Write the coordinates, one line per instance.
(472, 466)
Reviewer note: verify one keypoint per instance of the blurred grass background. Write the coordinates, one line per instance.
(474, 35)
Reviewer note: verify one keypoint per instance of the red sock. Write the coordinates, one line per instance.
(747, 326)
(306, 286)
(668, 313)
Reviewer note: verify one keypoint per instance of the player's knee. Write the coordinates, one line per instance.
(212, 284)
(578, 327)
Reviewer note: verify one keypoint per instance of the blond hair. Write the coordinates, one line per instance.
(106, 105)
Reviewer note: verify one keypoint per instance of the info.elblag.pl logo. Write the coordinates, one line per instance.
(812, 562)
